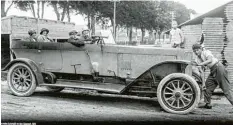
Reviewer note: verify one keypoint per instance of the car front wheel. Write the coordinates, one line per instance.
(178, 93)
(21, 80)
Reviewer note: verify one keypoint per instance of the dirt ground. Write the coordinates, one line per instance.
(73, 105)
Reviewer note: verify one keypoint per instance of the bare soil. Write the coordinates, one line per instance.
(82, 105)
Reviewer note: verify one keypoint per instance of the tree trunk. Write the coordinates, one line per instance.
(64, 12)
(68, 11)
(54, 5)
(88, 21)
(38, 9)
(33, 10)
(130, 34)
(92, 24)
(143, 34)
(3, 13)
(115, 31)
(3, 5)
(42, 13)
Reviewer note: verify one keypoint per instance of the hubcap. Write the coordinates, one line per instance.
(21, 79)
(178, 94)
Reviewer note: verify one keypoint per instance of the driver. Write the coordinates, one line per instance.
(75, 38)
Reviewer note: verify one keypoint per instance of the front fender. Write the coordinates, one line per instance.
(35, 69)
(161, 70)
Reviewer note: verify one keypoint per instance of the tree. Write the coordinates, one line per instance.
(29, 5)
(5, 10)
(88, 8)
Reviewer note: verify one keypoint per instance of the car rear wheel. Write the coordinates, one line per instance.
(21, 80)
(178, 93)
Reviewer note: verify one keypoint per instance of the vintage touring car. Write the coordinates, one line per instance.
(129, 70)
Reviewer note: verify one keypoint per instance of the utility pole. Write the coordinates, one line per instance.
(114, 22)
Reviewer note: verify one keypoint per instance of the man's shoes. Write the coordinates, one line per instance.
(207, 106)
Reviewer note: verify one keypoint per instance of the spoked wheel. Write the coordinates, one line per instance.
(21, 80)
(178, 93)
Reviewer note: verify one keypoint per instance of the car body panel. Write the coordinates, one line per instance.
(124, 61)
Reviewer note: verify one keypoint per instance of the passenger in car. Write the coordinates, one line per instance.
(85, 35)
(43, 37)
(32, 36)
(75, 38)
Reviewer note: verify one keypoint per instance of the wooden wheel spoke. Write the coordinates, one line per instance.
(19, 71)
(168, 93)
(173, 102)
(187, 89)
(18, 86)
(186, 98)
(28, 80)
(27, 84)
(183, 102)
(178, 103)
(173, 85)
(172, 97)
(169, 88)
(188, 94)
(178, 84)
(16, 74)
(182, 86)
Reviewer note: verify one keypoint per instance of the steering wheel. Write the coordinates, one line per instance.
(95, 39)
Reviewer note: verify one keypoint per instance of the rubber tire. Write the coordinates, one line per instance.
(183, 76)
(31, 89)
(199, 84)
(54, 89)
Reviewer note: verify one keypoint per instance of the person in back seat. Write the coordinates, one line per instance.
(32, 36)
(43, 37)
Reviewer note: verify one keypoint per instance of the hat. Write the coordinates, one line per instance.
(196, 46)
(73, 32)
(31, 31)
(44, 29)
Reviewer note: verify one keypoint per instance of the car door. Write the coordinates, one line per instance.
(25, 49)
(51, 58)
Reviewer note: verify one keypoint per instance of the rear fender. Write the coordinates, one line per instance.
(161, 70)
(35, 69)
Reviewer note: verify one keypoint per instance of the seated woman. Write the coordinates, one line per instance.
(32, 36)
(43, 37)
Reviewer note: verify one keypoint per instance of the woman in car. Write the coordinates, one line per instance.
(43, 37)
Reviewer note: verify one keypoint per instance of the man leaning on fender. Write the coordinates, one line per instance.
(218, 75)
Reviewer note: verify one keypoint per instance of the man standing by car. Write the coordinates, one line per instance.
(43, 37)
(75, 38)
(218, 75)
(176, 36)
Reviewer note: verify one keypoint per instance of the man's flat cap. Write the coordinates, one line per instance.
(196, 46)
(73, 32)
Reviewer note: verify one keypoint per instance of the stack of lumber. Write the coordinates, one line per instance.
(213, 28)
(229, 12)
(192, 34)
(228, 51)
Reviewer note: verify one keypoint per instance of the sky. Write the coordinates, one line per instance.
(200, 6)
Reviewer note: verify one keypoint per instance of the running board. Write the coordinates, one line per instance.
(103, 87)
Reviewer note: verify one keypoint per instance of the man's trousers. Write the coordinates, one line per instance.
(218, 76)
